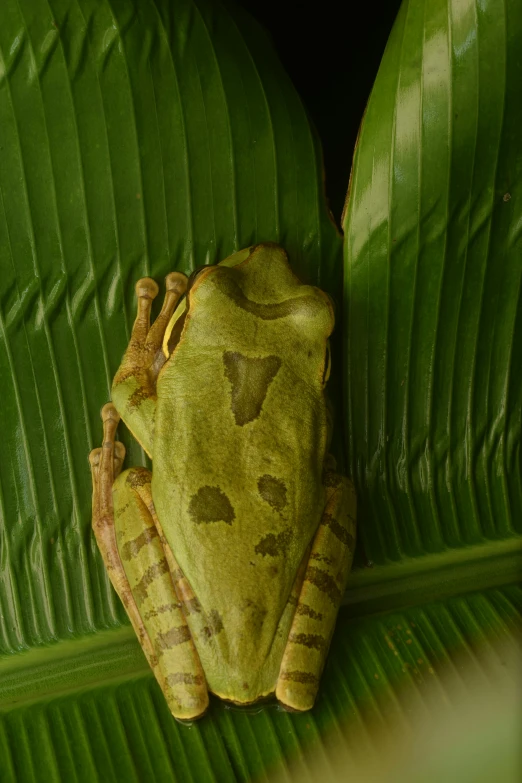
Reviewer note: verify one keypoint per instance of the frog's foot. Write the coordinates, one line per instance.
(144, 352)
(106, 463)
(105, 466)
(134, 385)
(320, 597)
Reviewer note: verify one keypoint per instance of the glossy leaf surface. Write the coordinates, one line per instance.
(78, 718)
(433, 284)
(136, 138)
(142, 136)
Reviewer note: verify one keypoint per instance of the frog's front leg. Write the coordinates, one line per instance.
(320, 597)
(134, 385)
(123, 522)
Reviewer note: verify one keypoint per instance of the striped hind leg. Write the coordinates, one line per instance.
(123, 522)
(320, 597)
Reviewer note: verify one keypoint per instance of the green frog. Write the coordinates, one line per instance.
(231, 557)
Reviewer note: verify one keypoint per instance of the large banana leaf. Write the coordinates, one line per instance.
(137, 138)
(96, 713)
(433, 285)
(140, 136)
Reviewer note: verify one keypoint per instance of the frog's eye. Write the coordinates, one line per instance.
(327, 364)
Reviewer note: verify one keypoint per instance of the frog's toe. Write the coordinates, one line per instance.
(110, 418)
(147, 288)
(109, 413)
(296, 691)
(119, 450)
(94, 458)
(176, 282)
(119, 456)
(176, 285)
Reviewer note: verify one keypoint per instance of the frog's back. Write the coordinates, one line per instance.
(241, 494)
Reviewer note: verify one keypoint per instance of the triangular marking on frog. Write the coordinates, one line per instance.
(250, 379)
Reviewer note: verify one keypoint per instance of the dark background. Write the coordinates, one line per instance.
(332, 52)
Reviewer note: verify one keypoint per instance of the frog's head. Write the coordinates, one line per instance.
(255, 289)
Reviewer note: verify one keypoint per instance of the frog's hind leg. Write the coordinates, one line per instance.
(321, 593)
(123, 522)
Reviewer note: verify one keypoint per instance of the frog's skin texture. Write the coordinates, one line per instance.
(232, 556)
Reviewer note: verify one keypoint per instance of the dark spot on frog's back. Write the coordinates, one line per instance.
(273, 491)
(253, 615)
(274, 544)
(210, 504)
(250, 379)
(214, 624)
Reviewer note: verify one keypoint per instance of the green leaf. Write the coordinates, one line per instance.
(141, 136)
(91, 709)
(136, 138)
(433, 283)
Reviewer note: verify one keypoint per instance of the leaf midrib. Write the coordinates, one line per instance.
(113, 656)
